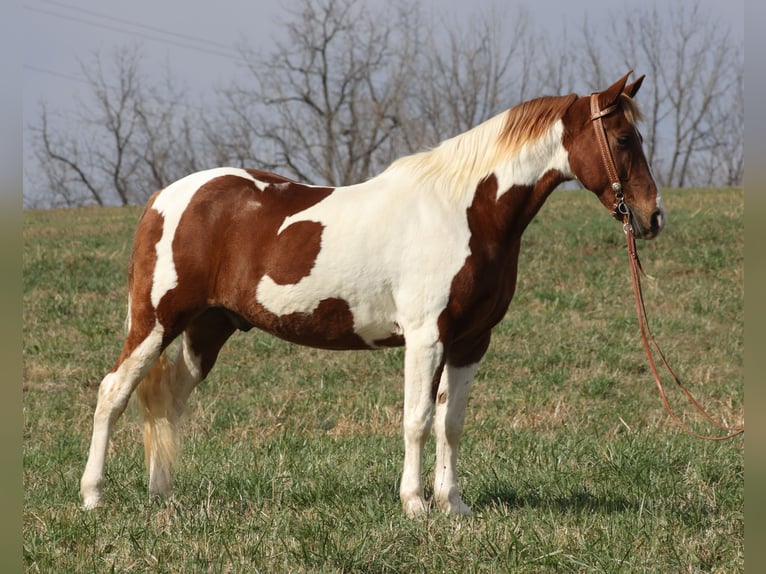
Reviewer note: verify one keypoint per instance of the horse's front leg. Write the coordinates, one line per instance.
(423, 362)
(451, 401)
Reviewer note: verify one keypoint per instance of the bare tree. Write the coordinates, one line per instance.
(700, 77)
(326, 103)
(694, 68)
(475, 71)
(555, 73)
(724, 162)
(68, 176)
(169, 138)
(124, 142)
(347, 89)
(96, 166)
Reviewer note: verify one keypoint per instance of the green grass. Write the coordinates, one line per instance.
(291, 456)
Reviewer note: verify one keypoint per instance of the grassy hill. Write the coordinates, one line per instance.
(291, 456)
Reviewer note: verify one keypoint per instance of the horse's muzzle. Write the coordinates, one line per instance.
(644, 227)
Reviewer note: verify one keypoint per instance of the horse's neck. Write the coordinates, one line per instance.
(521, 182)
(510, 183)
(501, 212)
(532, 162)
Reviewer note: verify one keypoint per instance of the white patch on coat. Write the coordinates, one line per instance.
(391, 246)
(534, 159)
(374, 236)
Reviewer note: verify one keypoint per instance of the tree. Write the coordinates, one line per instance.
(124, 142)
(477, 70)
(89, 167)
(326, 104)
(724, 138)
(169, 142)
(695, 73)
(347, 89)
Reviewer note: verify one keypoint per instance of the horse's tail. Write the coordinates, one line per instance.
(160, 413)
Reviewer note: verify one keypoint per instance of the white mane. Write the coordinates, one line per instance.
(456, 165)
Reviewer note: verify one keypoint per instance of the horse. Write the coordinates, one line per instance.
(423, 255)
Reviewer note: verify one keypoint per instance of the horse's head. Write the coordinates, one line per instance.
(607, 157)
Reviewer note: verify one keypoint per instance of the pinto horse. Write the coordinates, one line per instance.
(423, 255)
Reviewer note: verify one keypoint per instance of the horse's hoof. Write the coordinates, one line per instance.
(415, 507)
(91, 502)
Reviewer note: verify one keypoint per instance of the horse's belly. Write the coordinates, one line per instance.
(305, 316)
(330, 325)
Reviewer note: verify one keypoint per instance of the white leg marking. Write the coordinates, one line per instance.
(421, 360)
(451, 400)
(113, 395)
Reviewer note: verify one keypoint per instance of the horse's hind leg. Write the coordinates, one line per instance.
(113, 395)
(164, 392)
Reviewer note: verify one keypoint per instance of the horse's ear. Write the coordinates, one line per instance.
(631, 89)
(610, 95)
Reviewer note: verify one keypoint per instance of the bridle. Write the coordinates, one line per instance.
(622, 210)
(620, 207)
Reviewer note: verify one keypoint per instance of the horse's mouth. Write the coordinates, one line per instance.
(645, 227)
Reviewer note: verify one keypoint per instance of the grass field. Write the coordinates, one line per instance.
(291, 456)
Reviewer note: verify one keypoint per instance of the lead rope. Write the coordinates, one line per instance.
(646, 334)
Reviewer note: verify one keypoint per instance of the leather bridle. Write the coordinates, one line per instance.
(620, 207)
(622, 210)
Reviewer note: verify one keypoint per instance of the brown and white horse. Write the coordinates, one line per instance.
(423, 255)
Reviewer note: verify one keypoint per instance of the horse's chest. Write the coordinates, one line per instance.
(483, 288)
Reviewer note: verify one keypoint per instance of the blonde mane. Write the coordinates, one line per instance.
(459, 163)
(530, 120)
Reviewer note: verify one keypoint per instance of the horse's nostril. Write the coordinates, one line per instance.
(657, 220)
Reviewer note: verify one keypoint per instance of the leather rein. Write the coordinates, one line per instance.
(636, 270)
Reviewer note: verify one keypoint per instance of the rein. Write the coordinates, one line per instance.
(636, 270)
(646, 334)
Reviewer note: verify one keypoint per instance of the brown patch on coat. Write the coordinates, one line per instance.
(227, 239)
(530, 120)
(207, 333)
(329, 326)
(391, 341)
(302, 239)
(482, 290)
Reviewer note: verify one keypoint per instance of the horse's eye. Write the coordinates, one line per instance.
(623, 141)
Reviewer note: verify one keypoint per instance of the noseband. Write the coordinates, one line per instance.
(620, 207)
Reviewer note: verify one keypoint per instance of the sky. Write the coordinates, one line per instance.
(197, 40)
